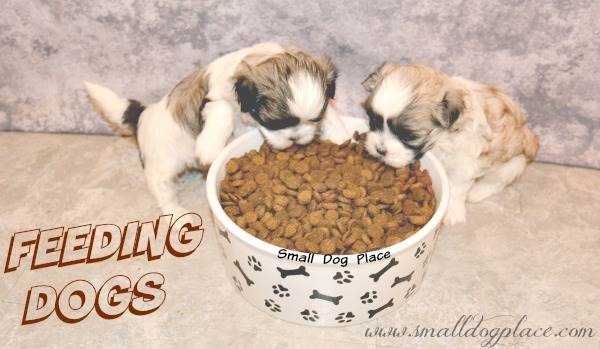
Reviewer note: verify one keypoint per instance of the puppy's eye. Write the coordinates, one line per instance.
(375, 120)
(317, 119)
(279, 124)
(403, 133)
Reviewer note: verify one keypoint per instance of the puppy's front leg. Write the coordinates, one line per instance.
(456, 213)
(332, 127)
(218, 117)
(161, 176)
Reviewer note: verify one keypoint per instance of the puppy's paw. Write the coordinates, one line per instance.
(207, 151)
(480, 192)
(333, 128)
(338, 136)
(456, 214)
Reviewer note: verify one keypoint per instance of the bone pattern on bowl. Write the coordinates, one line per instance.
(313, 289)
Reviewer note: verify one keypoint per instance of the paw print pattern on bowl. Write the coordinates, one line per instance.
(272, 306)
(368, 297)
(280, 290)
(254, 263)
(343, 278)
(310, 315)
(344, 317)
(420, 250)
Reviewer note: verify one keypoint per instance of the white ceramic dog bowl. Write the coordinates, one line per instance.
(314, 293)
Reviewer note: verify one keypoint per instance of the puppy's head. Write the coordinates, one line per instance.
(409, 107)
(287, 95)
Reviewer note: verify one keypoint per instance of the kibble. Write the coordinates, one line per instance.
(326, 198)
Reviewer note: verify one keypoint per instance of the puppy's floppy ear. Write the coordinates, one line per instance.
(246, 93)
(331, 81)
(331, 72)
(453, 105)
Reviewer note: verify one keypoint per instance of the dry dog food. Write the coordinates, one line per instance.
(326, 198)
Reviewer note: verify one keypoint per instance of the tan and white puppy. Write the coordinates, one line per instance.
(285, 91)
(477, 131)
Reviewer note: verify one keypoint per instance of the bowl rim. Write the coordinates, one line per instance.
(223, 219)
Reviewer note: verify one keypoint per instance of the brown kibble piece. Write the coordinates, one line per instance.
(351, 193)
(315, 218)
(359, 246)
(301, 167)
(250, 217)
(418, 220)
(331, 216)
(272, 223)
(328, 246)
(280, 242)
(258, 160)
(296, 211)
(320, 187)
(261, 178)
(232, 210)
(375, 231)
(304, 197)
(232, 167)
(247, 188)
(283, 156)
(312, 247)
(300, 244)
(292, 182)
(291, 229)
(279, 189)
(393, 239)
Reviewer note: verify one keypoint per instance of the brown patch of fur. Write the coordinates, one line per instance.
(186, 99)
(269, 75)
(510, 135)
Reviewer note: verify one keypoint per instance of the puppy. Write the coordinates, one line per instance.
(478, 133)
(286, 92)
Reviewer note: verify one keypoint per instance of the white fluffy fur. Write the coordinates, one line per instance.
(218, 126)
(332, 127)
(112, 105)
(393, 96)
(167, 149)
(307, 96)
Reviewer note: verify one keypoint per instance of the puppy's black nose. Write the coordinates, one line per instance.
(380, 151)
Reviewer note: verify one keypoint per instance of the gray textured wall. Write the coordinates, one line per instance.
(545, 54)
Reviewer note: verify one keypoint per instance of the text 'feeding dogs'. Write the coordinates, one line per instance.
(287, 92)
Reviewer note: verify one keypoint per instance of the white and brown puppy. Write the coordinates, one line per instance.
(477, 131)
(286, 91)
